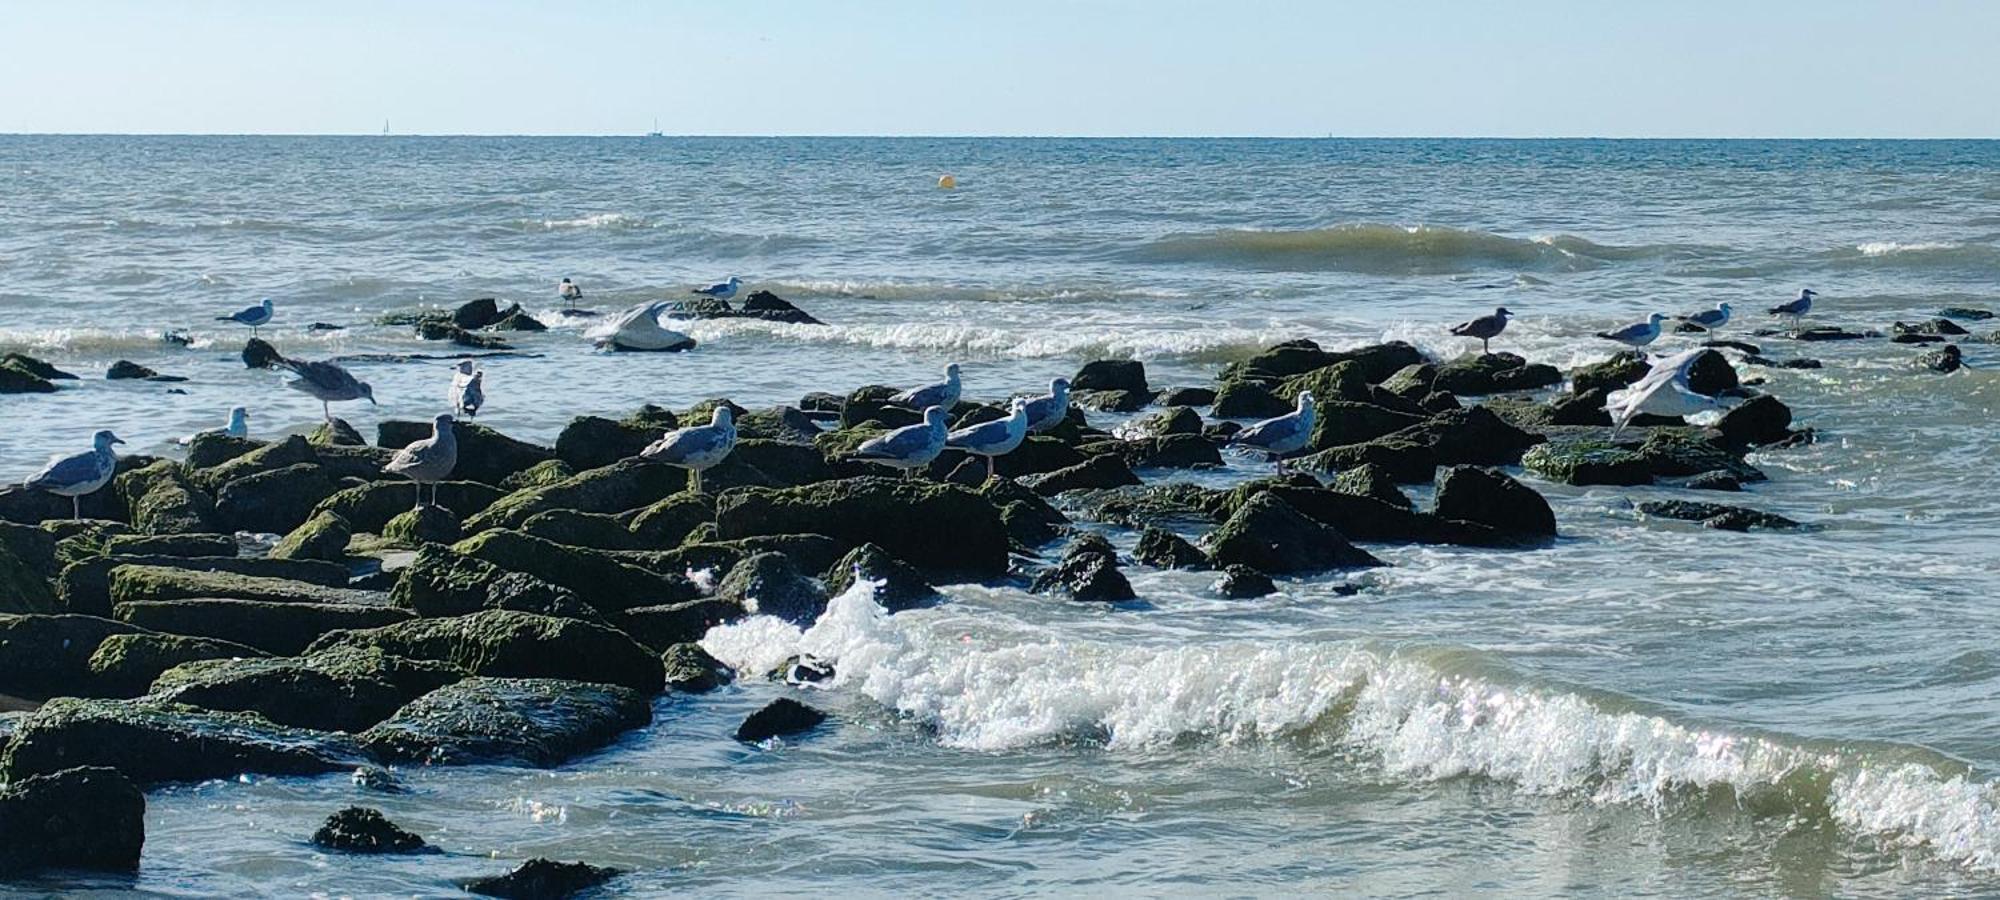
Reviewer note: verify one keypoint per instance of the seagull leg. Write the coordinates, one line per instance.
(326, 409)
(694, 478)
(75, 507)
(989, 468)
(420, 495)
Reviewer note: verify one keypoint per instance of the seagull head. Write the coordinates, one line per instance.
(1059, 387)
(722, 416)
(934, 417)
(478, 377)
(1305, 400)
(734, 281)
(1807, 293)
(463, 367)
(1656, 318)
(267, 304)
(367, 392)
(1503, 312)
(1722, 308)
(238, 416)
(104, 440)
(951, 372)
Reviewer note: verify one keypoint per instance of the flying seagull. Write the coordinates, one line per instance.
(1282, 435)
(80, 474)
(428, 461)
(639, 328)
(1638, 334)
(1662, 391)
(253, 316)
(696, 448)
(1485, 328)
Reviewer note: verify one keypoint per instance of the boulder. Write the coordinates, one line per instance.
(151, 742)
(1111, 375)
(337, 433)
(23, 586)
(1621, 370)
(872, 404)
(1493, 373)
(596, 577)
(690, 670)
(421, 526)
(1270, 536)
(596, 531)
(1111, 401)
(1031, 521)
(339, 689)
(1088, 572)
(1187, 396)
(540, 722)
(275, 501)
(1371, 481)
(484, 455)
(1710, 373)
(1339, 423)
(1037, 455)
(160, 499)
(36, 367)
(628, 484)
(1486, 497)
(151, 583)
(543, 879)
(44, 655)
(291, 451)
(541, 474)
(278, 627)
(779, 425)
(768, 584)
(898, 585)
(1674, 452)
(668, 624)
(782, 717)
(1239, 582)
(1245, 400)
(517, 319)
(324, 536)
(1174, 451)
(85, 586)
(589, 442)
(510, 644)
(1412, 381)
(1588, 462)
(940, 528)
(441, 582)
(473, 315)
(369, 507)
(14, 380)
(88, 817)
(670, 521)
(1096, 473)
(1760, 421)
(1172, 420)
(1375, 361)
(180, 546)
(1163, 549)
(213, 448)
(358, 829)
(1355, 517)
(1715, 515)
(125, 665)
(1714, 481)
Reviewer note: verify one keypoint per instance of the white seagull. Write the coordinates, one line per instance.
(1663, 391)
(83, 473)
(569, 292)
(238, 426)
(995, 438)
(471, 396)
(1285, 434)
(1050, 409)
(253, 316)
(1710, 319)
(720, 290)
(639, 329)
(944, 393)
(428, 461)
(909, 448)
(696, 448)
(1638, 334)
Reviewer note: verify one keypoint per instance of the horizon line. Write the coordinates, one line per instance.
(1001, 136)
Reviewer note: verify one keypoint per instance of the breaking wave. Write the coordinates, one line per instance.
(989, 340)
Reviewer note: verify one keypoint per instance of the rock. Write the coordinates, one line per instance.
(1165, 550)
(773, 308)
(543, 879)
(1038, 455)
(134, 583)
(1957, 312)
(1187, 396)
(782, 717)
(184, 546)
(269, 457)
(1911, 338)
(540, 722)
(1353, 516)
(1375, 361)
(627, 484)
(1088, 572)
(276, 501)
(898, 585)
(1714, 481)
(440, 582)
(690, 670)
(433, 330)
(324, 536)
(1621, 370)
(124, 370)
(1340, 423)
(125, 665)
(1096, 473)
(518, 319)
(476, 314)
(1759, 421)
(16, 380)
(767, 463)
(1493, 373)
(1487, 497)
(1172, 420)
(1031, 521)
(1240, 582)
(1948, 360)
(541, 474)
(1938, 326)
(1111, 375)
(1588, 462)
(44, 655)
(337, 433)
(420, 526)
(1711, 374)
(259, 354)
(160, 499)
(1244, 400)
(781, 424)
(670, 521)
(1175, 451)
(510, 644)
(151, 742)
(1822, 333)
(1674, 453)
(22, 587)
(596, 531)
(358, 829)
(1373, 481)
(279, 627)
(668, 624)
(1715, 515)
(369, 507)
(1111, 401)
(340, 689)
(85, 587)
(88, 817)
(484, 455)
(1270, 536)
(213, 448)
(939, 528)
(588, 442)
(32, 366)
(599, 579)
(769, 584)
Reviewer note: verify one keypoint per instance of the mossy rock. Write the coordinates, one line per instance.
(505, 643)
(339, 689)
(369, 507)
(151, 583)
(152, 743)
(670, 521)
(442, 582)
(85, 586)
(628, 484)
(422, 525)
(541, 474)
(161, 499)
(44, 655)
(323, 537)
(124, 665)
(941, 528)
(509, 721)
(1588, 462)
(283, 628)
(1271, 536)
(600, 579)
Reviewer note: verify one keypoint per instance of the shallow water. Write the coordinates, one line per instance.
(1643, 708)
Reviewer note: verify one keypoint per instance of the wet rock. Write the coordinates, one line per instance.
(1493, 373)
(628, 484)
(369, 507)
(1947, 360)
(518, 319)
(541, 474)
(1621, 370)
(1163, 549)
(432, 330)
(441, 582)
(690, 670)
(782, 717)
(324, 536)
(1096, 473)
(1340, 423)
(1239, 582)
(1759, 421)
(126, 370)
(898, 585)
(1822, 333)
(152, 742)
(32, 366)
(1111, 401)
(1172, 420)
(1412, 381)
(596, 577)
(769, 584)
(596, 531)
(506, 643)
(1111, 375)
(358, 829)
(278, 627)
(1353, 516)
(1337, 382)
(1715, 515)
(1038, 455)
(781, 424)
(588, 442)
(85, 586)
(160, 499)
(476, 314)
(14, 380)
(210, 449)
(773, 308)
(1588, 462)
(1031, 521)
(1372, 481)
(765, 463)
(185, 546)
(1711, 374)
(22, 587)
(940, 528)
(340, 689)
(1375, 362)
(1942, 327)
(1969, 314)
(1584, 409)
(1088, 572)
(337, 433)
(1673, 453)
(543, 879)
(291, 451)
(87, 817)
(125, 665)
(1270, 536)
(1917, 339)
(1487, 497)
(669, 522)
(484, 455)
(420, 526)
(1187, 396)
(538, 722)
(43, 655)
(132, 583)
(1714, 481)
(1245, 400)
(668, 624)
(276, 501)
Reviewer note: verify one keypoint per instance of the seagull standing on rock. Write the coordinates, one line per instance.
(569, 292)
(1797, 307)
(993, 439)
(428, 461)
(1638, 334)
(1485, 328)
(696, 448)
(944, 393)
(83, 473)
(1662, 391)
(720, 290)
(1709, 319)
(1283, 435)
(326, 381)
(471, 396)
(1050, 409)
(238, 426)
(909, 448)
(253, 316)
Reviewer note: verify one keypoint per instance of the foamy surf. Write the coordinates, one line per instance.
(1420, 714)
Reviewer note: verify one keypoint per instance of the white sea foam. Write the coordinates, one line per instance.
(1890, 248)
(987, 339)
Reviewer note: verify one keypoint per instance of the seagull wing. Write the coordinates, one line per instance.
(80, 468)
(896, 444)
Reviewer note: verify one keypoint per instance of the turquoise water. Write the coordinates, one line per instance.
(1640, 709)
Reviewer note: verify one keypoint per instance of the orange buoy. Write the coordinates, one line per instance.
(946, 182)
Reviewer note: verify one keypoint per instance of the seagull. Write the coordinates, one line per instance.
(238, 426)
(1285, 434)
(461, 372)
(1638, 334)
(569, 292)
(326, 381)
(1709, 319)
(1050, 409)
(993, 439)
(1797, 307)
(697, 447)
(908, 448)
(944, 393)
(253, 316)
(721, 290)
(638, 328)
(1485, 328)
(428, 461)
(1662, 391)
(471, 396)
(83, 473)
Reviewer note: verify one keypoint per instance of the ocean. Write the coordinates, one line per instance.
(1642, 708)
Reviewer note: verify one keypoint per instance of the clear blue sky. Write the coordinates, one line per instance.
(1803, 68)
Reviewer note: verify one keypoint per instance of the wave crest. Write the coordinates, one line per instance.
(1388, 250)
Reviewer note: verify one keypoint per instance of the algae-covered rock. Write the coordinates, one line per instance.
(23, 588)
(599, 579)
(443, 582)
(1165, 550)
(44, 655)
(280, 627)
(339, 689)
(275, 501)
(85, 586)
(358, 829)
(936, 527)
(1240, 582)
(152, 742)
(422, 525)
(161, 499)
(691, 670)
(1493, 373)
(124, 665)
(670, 521)
(543, 879)
(1372, 481)
(1490, 498)
(324, 537)
(668, 624)
(146, 583)
(506, 643)
(627, 484)
(769, 584)
(1588, 462)
(1096, 473)
(596, 531)
(209, 449)
(1270, 536)
(1088, 572)
(589, 442)
(484, 455)
(291, 451)
(508, 721)
(782, 717)
(369, 507)
(541, 474)
(88, 817)
(898, 585)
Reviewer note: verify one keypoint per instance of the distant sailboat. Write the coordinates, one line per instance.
(385, 127)
(656, 129)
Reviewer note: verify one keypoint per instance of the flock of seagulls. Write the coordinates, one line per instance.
(1639, 334)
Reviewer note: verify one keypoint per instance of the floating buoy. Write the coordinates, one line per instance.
(946, 182)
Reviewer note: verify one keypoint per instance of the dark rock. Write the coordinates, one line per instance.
(1711, 374)
(1239, 582)
(1269, 535)
(341, 689)
(291, 451)
(782, 717)
(369, 507)
(691, 670)
(1760, 420)
(85, 587)
(1914, 338)
(1031, 521)
(440, 582)
(1963, 312)
(773, 308)
(506, 643)
(1938, 326)
(1111, 375)
(1412, 381)
(420, 526)
(432, 330)
(276, 501)
(1673, 453)
(1245, 400)
(1714, 515)
(1621, 370)
(136, 583)
(79, 818)
(1376, 362)
(337, 433)
(14, 380)
(1096, 473)
(1948, 360)
(1087, 572)
(517, 319)
(1111, 401)
(898, 585)
(324, 536)
(1586, 408)
(476, 314)
(1487, 497)
(1373, 481)
(538, 722)
(126, 369)
(1172, 420)
(1038, 455)
(627, 484)
(213, 448)
(1187, 396)
(44, 655)
(160, 499)
(1823, 333)
(35, 367)
(596, 531)
(1588, 462)
(1714, 481)
(588, 442)
(543, 879)
(1340, 423)
(1493, 373)
(1175, 451)
(279, 627)
(940, 528)
(1166, 550)
(769, 584)
(152, 742)
(484, 455)
(358, 829)
(668, 522)
(669, 624)
(598, 578)
(259, 354)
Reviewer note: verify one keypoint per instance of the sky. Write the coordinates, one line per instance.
(1445, 68)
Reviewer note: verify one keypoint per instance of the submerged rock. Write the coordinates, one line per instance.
(769, 584)
(1239, 582)
(510, 721)
(1088, 571)
(358, 829)
(782, 717)
(1163, 549)
(1715, 515)
(543, 879)
(88, 817)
